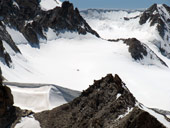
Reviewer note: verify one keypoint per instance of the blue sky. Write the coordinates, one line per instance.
(126, 4)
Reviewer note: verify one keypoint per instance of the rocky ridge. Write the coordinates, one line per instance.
(10, 115)
(27, 18)
(141, 52)
(7, 110)
(159, 15)
(107, 103)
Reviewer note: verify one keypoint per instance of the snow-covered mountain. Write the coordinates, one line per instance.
(26, 22)
(159, 15)
(68, 52)
(50, 43)
(149, 26)
(107, 103)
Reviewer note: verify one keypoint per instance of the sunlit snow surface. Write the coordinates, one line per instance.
(28, 122)
(74, 61)
(49, 4)
(161, 118)
(39, 97)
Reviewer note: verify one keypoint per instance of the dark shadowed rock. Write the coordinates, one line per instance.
(65, 18)
(138, 119)
(31, 21)
(9, 114)
(100, 106)
(31, 35)
(136, 49)
(148, 14)
(140, 52)
(152, 14)
(159, 15)
(7, 111)
(4, 55)
(4, 35)
(27, 17)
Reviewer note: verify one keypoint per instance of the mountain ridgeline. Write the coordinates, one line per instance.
(159, 15)
(105, 104)
(28, 18)
(32, 22)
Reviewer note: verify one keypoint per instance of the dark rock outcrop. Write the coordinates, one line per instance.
(148, 14)
(9, 114)
(31, 21)
(4, 55)
(100, 106)
(140, 51)
(136, 49)
(65, 18)
(159, 16)
(7, 111)
(152, 14)
(27, 17)
(4, 35)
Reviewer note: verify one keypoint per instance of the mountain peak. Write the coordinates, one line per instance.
(159, 15)
(107, 103)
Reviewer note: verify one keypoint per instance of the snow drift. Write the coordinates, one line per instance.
(39, 97)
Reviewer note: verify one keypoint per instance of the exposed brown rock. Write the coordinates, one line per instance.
(99, 107)
(138, 119)
(139, 50)
(27, 17)
(7, 111)
(4, 55)
(162, 23)
(149, 14)
(64, 18)
(136, 49)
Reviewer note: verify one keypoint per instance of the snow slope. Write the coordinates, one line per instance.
(39, 97)
(114, 24)
(165, 15)
(28, 122)
(49, 4)
(160, 117)
(110, 24)
(74, 61)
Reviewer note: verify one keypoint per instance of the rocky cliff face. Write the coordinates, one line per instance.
(7, 111)
(159, 15)
(9, 114)
(140, 52)
(107, 103)
(27, 18)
